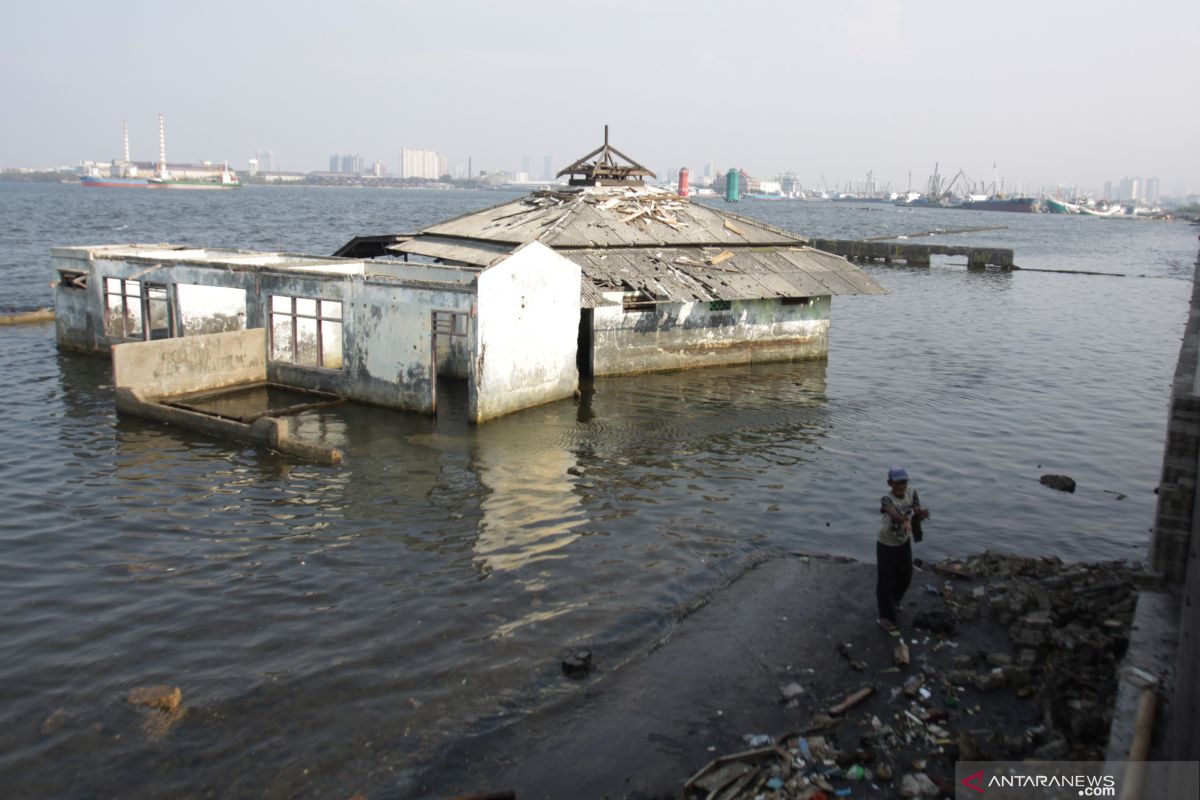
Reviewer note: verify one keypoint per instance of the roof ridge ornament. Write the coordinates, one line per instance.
(605, 171)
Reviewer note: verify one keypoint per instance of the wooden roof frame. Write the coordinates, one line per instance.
(605, 170)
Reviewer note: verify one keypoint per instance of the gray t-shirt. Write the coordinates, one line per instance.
(891, 532)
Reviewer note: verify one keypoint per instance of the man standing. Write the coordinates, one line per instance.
(893, 550)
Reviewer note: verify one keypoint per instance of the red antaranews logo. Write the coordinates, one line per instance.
(974, 782)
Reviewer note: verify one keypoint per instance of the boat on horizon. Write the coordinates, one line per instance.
(124, 173)
(1026, 205)
(226, 180)
(96, 181)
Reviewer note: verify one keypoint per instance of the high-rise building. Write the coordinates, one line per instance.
(253, 167)
(526, 164)
(1151, 193)
(335, 163)
(417, 163)
(1108, 194)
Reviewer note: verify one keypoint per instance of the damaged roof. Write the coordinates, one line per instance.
(636, 238)
(624, 216)
(695, 274)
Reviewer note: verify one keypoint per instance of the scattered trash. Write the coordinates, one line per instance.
(1068, 627)
(843, 649)
(852, 700)
(791, 692)
(757, 740)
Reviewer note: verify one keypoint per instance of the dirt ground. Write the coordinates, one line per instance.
(1008, 658)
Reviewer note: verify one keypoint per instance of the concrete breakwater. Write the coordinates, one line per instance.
(28, 317)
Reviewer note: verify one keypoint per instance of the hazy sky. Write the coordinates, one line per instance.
(1056, 91)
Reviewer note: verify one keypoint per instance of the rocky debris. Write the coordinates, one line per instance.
(1047, 695)
(161, 707)
(1060, 482)
(578, 664)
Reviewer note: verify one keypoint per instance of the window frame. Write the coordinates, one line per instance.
(293, 314)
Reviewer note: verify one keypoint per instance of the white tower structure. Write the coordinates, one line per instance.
(162, 149)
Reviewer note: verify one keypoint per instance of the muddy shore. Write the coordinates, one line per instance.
(1008, 658)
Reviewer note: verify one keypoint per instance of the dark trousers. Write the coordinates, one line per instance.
(893, 576)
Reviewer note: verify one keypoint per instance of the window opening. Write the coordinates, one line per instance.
(306, 331)
(157, 311)
(73, 279)
(720, 305)
(123, 308)
(795, 301)
(638, 301)
(209, 309)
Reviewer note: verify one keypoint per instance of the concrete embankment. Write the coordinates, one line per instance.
(1165, 648)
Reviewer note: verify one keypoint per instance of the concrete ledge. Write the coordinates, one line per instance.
(272, 432)
(1153, 643)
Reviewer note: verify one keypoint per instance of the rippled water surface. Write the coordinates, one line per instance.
(332, 627)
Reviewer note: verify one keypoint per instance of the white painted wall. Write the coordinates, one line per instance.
(686, 335)
(525, 334)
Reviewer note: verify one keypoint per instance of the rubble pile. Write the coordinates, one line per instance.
(1069, 626)
(1010, 658)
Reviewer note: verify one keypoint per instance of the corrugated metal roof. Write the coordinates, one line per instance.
(611, 217)
(683, 275)
(481, 254)
(642, 239)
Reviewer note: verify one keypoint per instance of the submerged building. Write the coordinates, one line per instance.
(520, 301)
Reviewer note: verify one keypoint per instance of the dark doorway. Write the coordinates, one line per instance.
(583, 355)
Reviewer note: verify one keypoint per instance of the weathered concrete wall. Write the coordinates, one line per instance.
(387, 329)
(1177, 486)
(80, 312)
(169, 367)
(685, 335)
(1174, 549)
(387, 338)
(526, 333)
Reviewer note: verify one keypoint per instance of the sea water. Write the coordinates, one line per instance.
(331, 628)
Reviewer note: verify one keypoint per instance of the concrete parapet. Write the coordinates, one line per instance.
(191, 363)
(273, 432)
(915, 254)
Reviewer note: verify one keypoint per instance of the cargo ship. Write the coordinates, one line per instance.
(226, 180)
(125, 172)
(996, 203)
(114, 183)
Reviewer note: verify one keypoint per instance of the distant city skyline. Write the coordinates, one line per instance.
(1054, 94)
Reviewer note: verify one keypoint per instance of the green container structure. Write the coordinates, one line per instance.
(731, 185)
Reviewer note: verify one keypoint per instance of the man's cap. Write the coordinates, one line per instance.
(897, 474)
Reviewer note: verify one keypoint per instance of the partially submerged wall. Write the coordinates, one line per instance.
(685, 335)
(169, 367)
(526, 333)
